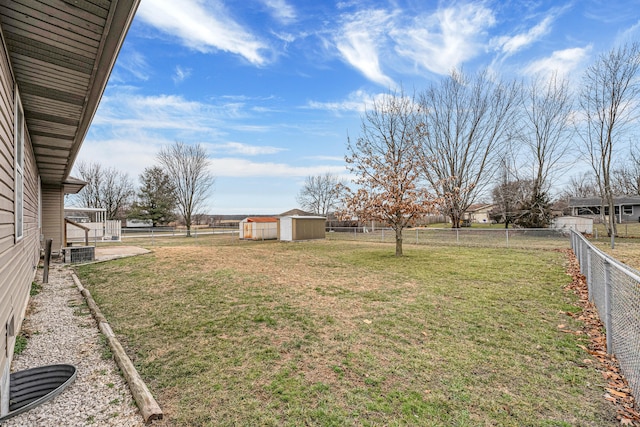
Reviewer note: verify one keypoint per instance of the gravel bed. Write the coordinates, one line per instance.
(62, 330)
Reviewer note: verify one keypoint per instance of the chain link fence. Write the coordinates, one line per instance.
(614, 288)
(543, 238)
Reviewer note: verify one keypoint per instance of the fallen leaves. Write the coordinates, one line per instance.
(618, 391)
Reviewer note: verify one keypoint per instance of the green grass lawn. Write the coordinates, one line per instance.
(338, 333)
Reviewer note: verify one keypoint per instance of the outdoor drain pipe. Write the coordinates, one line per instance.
(149, 408)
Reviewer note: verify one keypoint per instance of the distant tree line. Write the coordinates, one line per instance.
(445, 147)
(175, 188)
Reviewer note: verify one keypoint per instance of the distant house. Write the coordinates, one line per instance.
(259, 228)
(627, 209)
(55, 60)
(479, 213)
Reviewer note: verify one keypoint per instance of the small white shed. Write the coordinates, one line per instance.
(299, 227)
(577, 223)
(259, 228)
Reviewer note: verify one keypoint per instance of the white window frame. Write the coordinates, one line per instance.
(19, 167)
(627, 209)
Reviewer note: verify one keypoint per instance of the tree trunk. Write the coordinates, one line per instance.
(398, 241)
(455, 220)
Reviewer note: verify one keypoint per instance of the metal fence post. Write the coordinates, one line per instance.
(457, 236)
(416, 236)
(589, 275)
(506, 230)
(607, 305)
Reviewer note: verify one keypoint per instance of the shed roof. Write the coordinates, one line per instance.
(261, 219)
(62, 53)
(479, 206)
(304, 217)
(296, 212)
(577, 202)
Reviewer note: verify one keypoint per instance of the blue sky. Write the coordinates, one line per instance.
(272, 88)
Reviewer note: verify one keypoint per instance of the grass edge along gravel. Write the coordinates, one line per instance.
(338, 333)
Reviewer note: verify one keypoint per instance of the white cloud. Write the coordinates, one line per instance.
(181, 74)
(442, 41)
(326, 158)
(513, 44)
(131, 154)
(135, 63)
(561, 61)
(205, 26)
(359, 42)
(244, 149)
(281, 10)
(355, 101)
(629, 35)
(243, 168)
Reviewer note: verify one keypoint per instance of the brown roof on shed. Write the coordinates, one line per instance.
(262, 219)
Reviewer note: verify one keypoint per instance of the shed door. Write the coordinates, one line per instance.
(286, 229)
(248, 226)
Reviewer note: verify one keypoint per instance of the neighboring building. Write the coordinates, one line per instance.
(55, 60)
(579, 224)
(139, 223)
(296, 212)
(627, 209)
(479, 213)
(296, 227)
(259, 228)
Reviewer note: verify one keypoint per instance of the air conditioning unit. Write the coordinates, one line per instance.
(79, 254)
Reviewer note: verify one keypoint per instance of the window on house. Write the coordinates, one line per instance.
(627, 210)
(19, 166)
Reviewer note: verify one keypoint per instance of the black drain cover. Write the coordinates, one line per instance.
(31, 387)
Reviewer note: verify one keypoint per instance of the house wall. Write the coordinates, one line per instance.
(53, 215)
(18, 259)
(621, 216)
(480, 217)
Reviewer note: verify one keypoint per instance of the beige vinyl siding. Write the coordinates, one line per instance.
(52, 215)
(18, 261)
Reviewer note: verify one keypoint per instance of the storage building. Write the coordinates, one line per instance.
(259, 228)
(577, 223)
(296, 227)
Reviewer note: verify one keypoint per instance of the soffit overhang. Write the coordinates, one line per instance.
(62, 53)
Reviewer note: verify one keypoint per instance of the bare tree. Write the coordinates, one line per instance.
(320, 194)
(546, 130)
(107, 188)
(188, 169)
(385, 167)
(582, 185)
(466, 124)
(626, 178)
(609, 101)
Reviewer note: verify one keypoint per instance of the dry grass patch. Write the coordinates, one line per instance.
(339, 333)
(626, 251)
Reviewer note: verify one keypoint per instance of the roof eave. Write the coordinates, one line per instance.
(121, 14)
